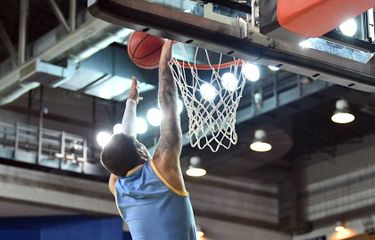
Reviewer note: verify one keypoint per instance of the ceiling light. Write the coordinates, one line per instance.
(103, 138)
(342, 114)
(141, 125)
(154, 116)
(259, 144)
(208, 92)
(251, 72)
(229, 81)
(200, 233)
(349, 27)
(195, 170)
(117, 129)
(273, 68)
(340, 226)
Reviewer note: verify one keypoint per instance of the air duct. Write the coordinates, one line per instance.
(17, 92)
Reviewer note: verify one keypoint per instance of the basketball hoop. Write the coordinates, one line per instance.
(211, 94)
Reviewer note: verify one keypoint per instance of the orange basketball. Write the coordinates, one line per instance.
(144, 50)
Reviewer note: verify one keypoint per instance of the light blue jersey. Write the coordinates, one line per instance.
(152, 208)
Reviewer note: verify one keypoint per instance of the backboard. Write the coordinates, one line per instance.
(233, 28)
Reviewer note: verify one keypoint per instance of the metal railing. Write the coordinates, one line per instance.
(43, 146)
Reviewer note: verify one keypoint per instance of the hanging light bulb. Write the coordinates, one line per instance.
(195, 170)
(251, 72)
(340, 226)
(154, 117)
(141, 125)
(200, 233)
(103, 138)
(342, 114)
(117, 128)
(259, 144)
(208, 92)
(229, 81)
(349, 27)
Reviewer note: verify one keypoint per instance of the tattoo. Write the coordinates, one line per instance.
(170, 127)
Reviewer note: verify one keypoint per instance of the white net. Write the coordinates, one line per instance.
(211, 97)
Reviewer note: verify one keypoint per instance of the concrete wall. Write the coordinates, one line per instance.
(354, 227)
(74, 195)
(340, 188)
(340, 184)
(40, 188)
(221, 230)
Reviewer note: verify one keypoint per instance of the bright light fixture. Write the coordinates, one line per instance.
(154, 116)
(251, 72)
(180, 106)
(342, 114)
(349, 27)
(208, 92)
(339, 228)
(103, 138)
(259, 144)
(196, 172)
(342, 118)
(117, 128)
(200, 234)
(141, 125)
(273, 68)
(194, 169)
(229, 81)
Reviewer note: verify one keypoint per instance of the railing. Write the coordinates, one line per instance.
(42, 146)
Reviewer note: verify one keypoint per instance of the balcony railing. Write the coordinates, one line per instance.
(44, 147)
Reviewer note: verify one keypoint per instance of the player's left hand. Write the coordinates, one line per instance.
(133, 92)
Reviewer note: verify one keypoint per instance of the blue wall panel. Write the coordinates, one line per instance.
(16, 234)
(61, 228)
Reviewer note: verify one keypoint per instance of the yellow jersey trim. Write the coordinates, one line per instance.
(118, 208)
(133, 170)
(173, 189)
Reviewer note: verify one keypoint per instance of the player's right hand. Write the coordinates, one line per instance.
(166, 53)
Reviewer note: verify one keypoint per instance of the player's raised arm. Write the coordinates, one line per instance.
(128, 123)
(168, 149)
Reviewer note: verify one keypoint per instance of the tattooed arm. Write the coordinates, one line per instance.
(168, 150)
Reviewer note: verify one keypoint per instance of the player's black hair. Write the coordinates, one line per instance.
(120, 155)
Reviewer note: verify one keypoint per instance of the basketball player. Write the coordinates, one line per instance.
(149, 191)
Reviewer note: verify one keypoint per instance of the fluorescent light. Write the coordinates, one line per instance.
(251, 72)
(273, 68)
(305, 44)
(103, 138)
